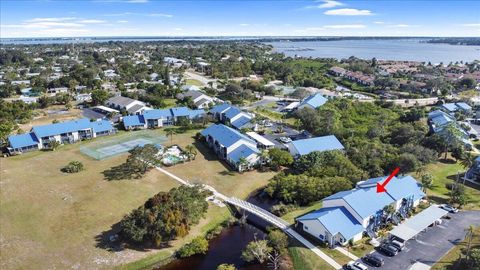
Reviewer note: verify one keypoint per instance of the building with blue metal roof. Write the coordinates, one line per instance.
(134, 122)
(364, 205)
(65, 132)
(306, 146)
(161, 117)
(332, 225)
(232, 115)
(313, 101)
(438, 120)
(231, 145)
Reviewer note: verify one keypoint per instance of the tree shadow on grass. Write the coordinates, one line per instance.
(120, 172)
(447, 161)
(438, 199)
(206, 152)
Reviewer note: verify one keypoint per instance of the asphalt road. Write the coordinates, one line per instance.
(430, 246)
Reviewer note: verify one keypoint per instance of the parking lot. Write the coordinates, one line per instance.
(430, 246)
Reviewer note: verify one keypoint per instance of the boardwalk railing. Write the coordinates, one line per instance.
(260, 212)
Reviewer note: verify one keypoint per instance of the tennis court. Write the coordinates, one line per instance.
(103, 148)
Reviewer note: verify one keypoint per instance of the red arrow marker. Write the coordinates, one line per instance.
(381, 187)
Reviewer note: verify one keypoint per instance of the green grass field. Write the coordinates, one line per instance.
(193, 82)
(51, 220)
(444, 173)
(304, 259)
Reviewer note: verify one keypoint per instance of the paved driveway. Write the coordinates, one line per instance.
(428, 247)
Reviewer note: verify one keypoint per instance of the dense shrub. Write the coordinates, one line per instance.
(198, 245)
(73, 167)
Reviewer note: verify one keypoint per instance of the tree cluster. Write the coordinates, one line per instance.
(165, 217)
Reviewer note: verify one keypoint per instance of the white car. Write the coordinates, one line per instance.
(356, 266)
(449, 208)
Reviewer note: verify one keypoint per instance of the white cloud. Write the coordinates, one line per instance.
(137, 1)
(348, 12)
(379, 22)
(92, 21)
(160, 15)
(178, 29)
(402, 25)
(345, 26)
(165, 15)
(122, 21)
(244, 24)
(327, 4)
(60, 19)
(471, 24)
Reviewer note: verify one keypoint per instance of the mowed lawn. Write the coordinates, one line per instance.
(207, 169)
(49, 219)
(444, 173)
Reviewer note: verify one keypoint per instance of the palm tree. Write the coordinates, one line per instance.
(170, 132)
(192, 151)
(264, 156)
(467, 161)
(53, 145)
(242, 162)
(470, 232)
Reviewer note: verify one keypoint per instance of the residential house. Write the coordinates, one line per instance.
(474, 172)
(161, 117)
(131, 106)
(55, 91)
(459, 106)
(313, 101)
(230, 145)
(83, 97)
(199, 99)
(21, 82)
(232, 115)
(439, 120)
(337, 71)
(346, 215)
(174, 62)
(65, 132)
(306, 146)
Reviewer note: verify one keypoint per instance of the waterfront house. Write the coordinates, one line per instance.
(347, 215)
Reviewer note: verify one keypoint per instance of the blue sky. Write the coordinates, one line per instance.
(50, 18)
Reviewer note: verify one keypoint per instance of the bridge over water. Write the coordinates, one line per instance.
(263, 214)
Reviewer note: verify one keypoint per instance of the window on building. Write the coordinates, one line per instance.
(305, 227)
(321, 237)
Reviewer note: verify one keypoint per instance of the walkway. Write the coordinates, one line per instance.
(346, 253)
(264, 214)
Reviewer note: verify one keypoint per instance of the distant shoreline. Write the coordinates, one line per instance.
(56, 40)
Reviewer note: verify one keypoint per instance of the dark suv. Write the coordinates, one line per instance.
(373, 260)
(388, 250)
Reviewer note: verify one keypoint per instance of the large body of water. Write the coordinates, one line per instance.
(414, 49)
(385, 49)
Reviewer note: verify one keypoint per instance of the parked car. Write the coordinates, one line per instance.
(397, 244)
(352, 265)
(285, 139)
(388, 250)
(449, 208)
(373, 260)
